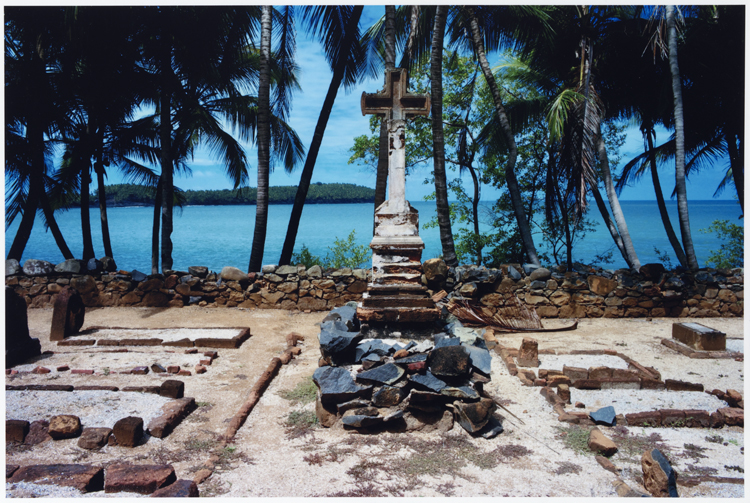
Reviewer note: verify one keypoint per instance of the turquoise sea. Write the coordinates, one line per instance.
(217, 236)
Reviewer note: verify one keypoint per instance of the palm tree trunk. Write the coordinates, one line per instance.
(103, 210)
(165, 136)
(510, 169)
(631, 258)
(679, 130)
(264, 142)
(737, 164)
(49, 215)
(406, 58)
(475, 211)
(312, 153)
(438, 139)
(27, 223)
(88, 243)
(155, 228)
(381, 182)
(662, 206)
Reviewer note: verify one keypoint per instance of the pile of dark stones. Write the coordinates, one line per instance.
(397, 385)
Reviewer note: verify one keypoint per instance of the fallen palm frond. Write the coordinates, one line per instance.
(517, 317)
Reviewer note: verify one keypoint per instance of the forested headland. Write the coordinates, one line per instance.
(319, 193)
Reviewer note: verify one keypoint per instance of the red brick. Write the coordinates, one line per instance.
(587, 384)
(575, 373)
(555, 381)
(191, 351)
(697, 418)
(733, 416)
(206, 362)
(173, 369)
(82, 371)
(16, 430)
(200, 369)
(717, 419)
(142, 479)
(214, 354)
(63, 368)
(41, 370)
(674, 385)
(184, 372)
(650, 418)
(672, 417)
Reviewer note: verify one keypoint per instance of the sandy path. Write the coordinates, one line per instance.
(268, 459)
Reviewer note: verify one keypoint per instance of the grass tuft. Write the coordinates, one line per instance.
(305, 392)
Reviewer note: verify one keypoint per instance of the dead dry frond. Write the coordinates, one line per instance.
(516, 317)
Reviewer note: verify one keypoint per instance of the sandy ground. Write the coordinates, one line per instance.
(535, 455)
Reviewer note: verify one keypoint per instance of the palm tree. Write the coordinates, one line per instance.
(34, 110)
(264, 141)
(438, 140)
(679, 126)
(337, 27)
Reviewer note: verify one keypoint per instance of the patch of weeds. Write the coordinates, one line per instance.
(693, 451)
(208, 405)
(715, 439)
(368, 490)
(305, 392)
(300, 423)
(734, 468)
(567, 467)
(632, 445)
(620, 344)
(733, 442)
(511, 451)
(576, 438)
(105, 370)
(313, 459)
(228, 454)
(213, 488)
(446, 489)
(701, 470)
(199, 445)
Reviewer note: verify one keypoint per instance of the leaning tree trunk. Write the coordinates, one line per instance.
(679, 131)
(438, 139)
(737, 164)
(49, 215)
(103, 209)
(88, 242)
(312, 153)
(510, 170)
(155, 228)
(622, 227)
(264, 142)
(662, 206)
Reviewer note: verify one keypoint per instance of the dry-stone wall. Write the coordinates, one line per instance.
(585, 292)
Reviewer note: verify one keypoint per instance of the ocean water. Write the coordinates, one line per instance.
(218, 236)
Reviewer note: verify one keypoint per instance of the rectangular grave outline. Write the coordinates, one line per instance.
(235, 342)
(686, 350)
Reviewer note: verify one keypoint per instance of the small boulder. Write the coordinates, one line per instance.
(388, 396)
(12, 267)
(658, 476)
(604, 416)
(33, 267)
(108, 264)
(362, 418)
(198, 271)
(71, 265)
(180, 489)
(142, 479)
(435, 271)
(230, 273)
(94, 438)
(480, 359)
(474, 416)
(64, 426)
(94, 266)
(540, 274)
(128, 431)
(172, 388)
(450, 361)
(601, 444)
(339, 345)
(528, 354)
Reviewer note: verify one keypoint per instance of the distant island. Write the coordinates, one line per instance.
(319, 193)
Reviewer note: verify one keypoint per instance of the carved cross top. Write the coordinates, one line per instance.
(394, 101)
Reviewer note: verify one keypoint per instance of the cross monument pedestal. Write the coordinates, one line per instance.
(396, 294)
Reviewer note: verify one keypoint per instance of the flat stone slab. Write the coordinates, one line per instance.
(94, 408)
(556, 362)
(627, 401)
(699, 336)
(187, 337)
(85, 478)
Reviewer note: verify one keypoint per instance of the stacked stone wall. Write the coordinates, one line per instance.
(586, 292)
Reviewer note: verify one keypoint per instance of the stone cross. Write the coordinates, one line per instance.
(396, 104)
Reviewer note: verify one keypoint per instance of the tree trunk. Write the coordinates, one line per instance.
(438, 139)
(679, 131)
(408, 56)
(475, 211)
(510, 170)
(88, 243)
(165, 136)
(27, 223)
(49, 215)
(103, 209)
(622, 227)
(264, 142)
(737, 164)
(381, 182)
(312, 153)
(662, 206)
(155, 228)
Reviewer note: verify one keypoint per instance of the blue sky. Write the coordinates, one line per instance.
(346, 123)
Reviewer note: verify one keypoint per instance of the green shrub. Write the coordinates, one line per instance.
(731, 252)
(343, 253)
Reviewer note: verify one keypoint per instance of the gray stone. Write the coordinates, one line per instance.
(460, 392)
(347, 315)
(384, 374)
(138, 276)
(362, 418)
(429, 381)
(352, 404)
(427, 401)
(604, 416)
(12, 267)
(71, 265)
(540, 274)
(466, 335)
(198, 271)
(513, 273)
(393, 416)
(474, 416)
(94, 266)
(480, 359)
(538, 285)
(339, 345)
(444, 342)
(33, 267)
(336, 385)
(422, 347)
(492, 429)
(418, 357)
(268, 269)
(451, 361)
(230, 273)
(284, 270)
(315, 272)
(529, 268)
(108, 264)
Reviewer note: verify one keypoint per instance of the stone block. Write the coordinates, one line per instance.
(601, 444)
(658, 476)
(94, 438)
(575, 373)
(699, 337)
(673, 385)
(172, 388)
(697, 418)
(528, 354)
(85, 478)
(649, 418)
(180, 489)
(172, 413)
(142, 479)
(16, 430)
(128, 431)
(38, 433)
(587, 384)
(67, 315)
(732, 416)
(64, 426)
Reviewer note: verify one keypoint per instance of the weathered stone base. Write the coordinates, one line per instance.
(384, 330)
(398, 315)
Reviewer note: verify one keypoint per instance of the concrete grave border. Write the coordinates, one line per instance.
(201, 342)
(701, 354)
